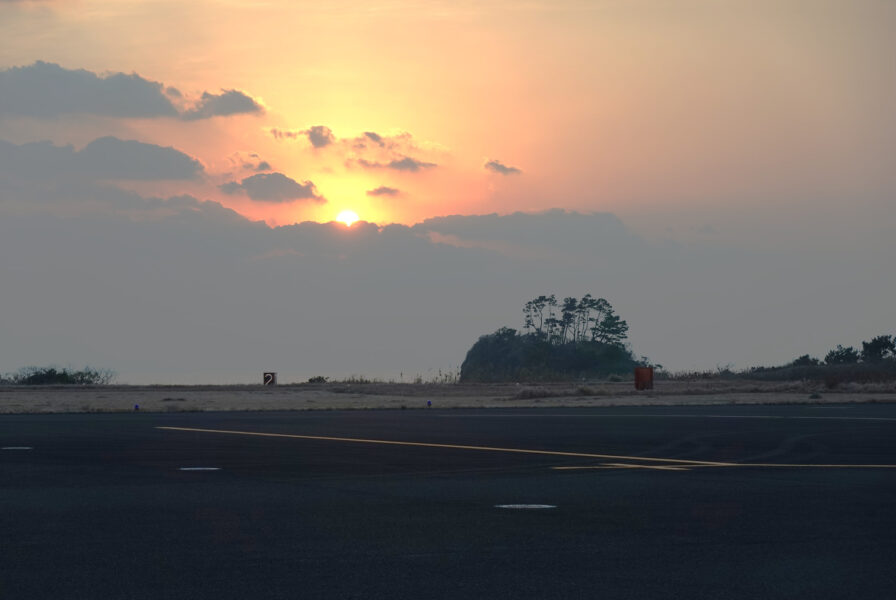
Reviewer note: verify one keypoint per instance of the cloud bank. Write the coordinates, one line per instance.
(47, 90)
(103, 158)
(181, 290)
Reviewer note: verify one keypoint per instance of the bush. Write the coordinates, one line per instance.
(805, 361)
(54, 376)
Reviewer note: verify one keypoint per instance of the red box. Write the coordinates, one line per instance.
(643, 378)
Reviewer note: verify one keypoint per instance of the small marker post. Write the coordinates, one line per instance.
(429, 404)
(136, 408)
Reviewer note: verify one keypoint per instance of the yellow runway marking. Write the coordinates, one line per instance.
(623, 466)
(675, 461)
(689, 467)
(677, 464)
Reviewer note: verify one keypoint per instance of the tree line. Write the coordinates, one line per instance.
(877, 349)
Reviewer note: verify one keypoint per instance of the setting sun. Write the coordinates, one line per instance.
(348, 217)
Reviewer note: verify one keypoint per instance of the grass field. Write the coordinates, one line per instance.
(362, 396)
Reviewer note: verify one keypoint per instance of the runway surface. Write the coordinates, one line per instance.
(672, 502)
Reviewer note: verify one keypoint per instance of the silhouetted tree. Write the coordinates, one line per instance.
(878, 348)
(568, 318)
(611, 329)
(534, 314)
(842, 356)
(573, 321)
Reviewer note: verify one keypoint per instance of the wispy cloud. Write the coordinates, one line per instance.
(384, 191)
(401, 164)
(497, 166)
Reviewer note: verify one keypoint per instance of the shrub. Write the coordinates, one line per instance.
(805, 361)
(55, 376)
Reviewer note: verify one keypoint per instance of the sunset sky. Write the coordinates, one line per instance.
(741, 153)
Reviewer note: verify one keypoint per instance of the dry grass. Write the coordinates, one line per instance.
(343, 396)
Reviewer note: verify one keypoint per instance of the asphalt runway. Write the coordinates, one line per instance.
(675, 502)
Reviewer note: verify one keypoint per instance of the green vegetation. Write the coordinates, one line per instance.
(876, 362)
(57, 376)
(571, 339)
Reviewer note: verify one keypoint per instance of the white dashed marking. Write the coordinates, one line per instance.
(525, 506)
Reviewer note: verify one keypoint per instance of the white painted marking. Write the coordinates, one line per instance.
(200, 469)
(16, 448)
(525, 506)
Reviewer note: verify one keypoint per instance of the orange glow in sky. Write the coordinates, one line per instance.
(636, 108)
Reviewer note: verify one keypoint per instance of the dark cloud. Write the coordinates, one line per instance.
(112, 158)
(320, 136)
(374, 137)
(402, 142)
(103, 158)
(498, 167)
(46, 90)
(403, 164)
(281, 134)
(273, 187)
(383, 191)
(555, 230)
(410, 164)
(249, 162)
(228, 102)
(301, 298)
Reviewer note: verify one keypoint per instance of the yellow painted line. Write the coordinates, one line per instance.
(454, 446)
(689, 467)
(584, 468)
(658, 467)
(620, 466)
(678, 463)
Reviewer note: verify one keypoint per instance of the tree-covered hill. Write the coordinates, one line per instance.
(571, 339)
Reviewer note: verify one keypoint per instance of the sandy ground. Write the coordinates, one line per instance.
(341, 396)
